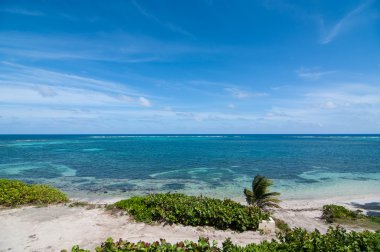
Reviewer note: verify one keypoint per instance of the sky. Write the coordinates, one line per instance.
(189, 67)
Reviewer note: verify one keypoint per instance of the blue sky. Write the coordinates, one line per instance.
(200, 66)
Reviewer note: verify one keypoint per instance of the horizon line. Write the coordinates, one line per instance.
(174, 134)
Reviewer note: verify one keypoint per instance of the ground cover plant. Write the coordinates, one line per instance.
(336, 239)
(342, 215)
(193, 211)
(15, 193)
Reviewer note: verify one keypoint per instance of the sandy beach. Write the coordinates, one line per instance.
(54, 228)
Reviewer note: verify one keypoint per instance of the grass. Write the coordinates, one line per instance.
(193, 211)
(16, 193)
(342, 215)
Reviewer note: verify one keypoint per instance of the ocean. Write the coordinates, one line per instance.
(301, 166)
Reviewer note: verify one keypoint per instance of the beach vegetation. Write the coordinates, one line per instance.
(336, 239)
(15, 193)
(193, 211)
(79, 204)
(83, 204)
(342, 215)
(281, 225)
(332, 213)
(260, 195)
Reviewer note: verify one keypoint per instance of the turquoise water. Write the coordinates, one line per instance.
(302, 166)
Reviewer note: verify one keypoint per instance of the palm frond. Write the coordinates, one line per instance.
(270, 204)
(270, 199)
(260, 194)
(249, 197)
(271, 194)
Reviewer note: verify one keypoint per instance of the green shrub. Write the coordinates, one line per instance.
(193, 211)
(336, 239)
(281, 225)
(344, 216)
(333, 212)
(15, 193)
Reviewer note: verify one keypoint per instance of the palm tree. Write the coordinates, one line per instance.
(260, 195)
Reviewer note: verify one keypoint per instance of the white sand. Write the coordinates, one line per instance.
(59, 227)
(307, 213)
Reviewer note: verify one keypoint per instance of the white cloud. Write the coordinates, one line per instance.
(60, 96)
(312, 73)
(329, 105)
(170, 26)
(25, 12)
(339, 108)
(322, 110)
(343, 23)
(34, 86)
(239, 94)
(145, 102)
(37, 97)
(107, 47)
(348, 94)
(46, 91)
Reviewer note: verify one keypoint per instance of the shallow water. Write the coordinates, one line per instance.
(302, 166)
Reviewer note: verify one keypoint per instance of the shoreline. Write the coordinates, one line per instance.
(57, 227)
(295, 203)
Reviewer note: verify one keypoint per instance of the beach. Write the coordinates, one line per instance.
(53, 228)
(166, 125)
(308, 170)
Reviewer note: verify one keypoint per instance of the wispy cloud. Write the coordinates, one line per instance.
(19, 11)
(170, 26)
(240, 94)
(329, 105)
(107, 47)
(237, 93)
(34, 86)
(177, 29)
(343, 23)
(312, 73)
(347, 95)
(121, 48)
(337, 108)
(220, 89)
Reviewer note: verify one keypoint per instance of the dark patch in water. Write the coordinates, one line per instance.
(357, 178)
(325, 178)
(215, 184)
(40, 173)
(373, 208)
(307, 181)
(122, 187)
(81, 180)
(367, 206)
(173, 186)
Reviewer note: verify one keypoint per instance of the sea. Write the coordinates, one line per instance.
(106, 166)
